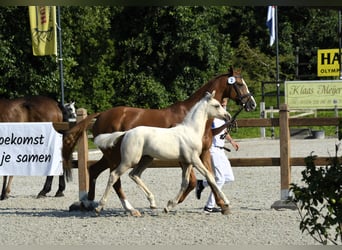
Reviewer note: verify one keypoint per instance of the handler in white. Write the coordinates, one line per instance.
(221, 165)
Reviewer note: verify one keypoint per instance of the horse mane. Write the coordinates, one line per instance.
(193, 111)
(201, 91)
(64, 112)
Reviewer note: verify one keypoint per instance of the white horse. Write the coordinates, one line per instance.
(182, 142)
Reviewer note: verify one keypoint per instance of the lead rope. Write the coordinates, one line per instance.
(232, 124)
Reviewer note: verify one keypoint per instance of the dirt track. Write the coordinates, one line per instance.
(26, 220)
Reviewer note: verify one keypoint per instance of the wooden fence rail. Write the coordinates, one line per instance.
(284, 122)
(235, 162)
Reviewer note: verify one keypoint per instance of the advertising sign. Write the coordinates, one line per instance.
(328, 63)
(43, 30)
(313, 94)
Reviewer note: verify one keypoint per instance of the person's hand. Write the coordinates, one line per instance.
(235, 145)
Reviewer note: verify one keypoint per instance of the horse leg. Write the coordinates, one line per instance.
(191, 185)
(46, 187)
(186, 172)
(3, 191)
(113, 177)
(9, 184)
(124, 202)
(6, 187)
(135, 176)
(206, 159)
(61, 186)
(94, 171)
(223, 201)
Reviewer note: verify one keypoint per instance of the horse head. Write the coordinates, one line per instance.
(69, 112)
(238, 90)
(215, 109)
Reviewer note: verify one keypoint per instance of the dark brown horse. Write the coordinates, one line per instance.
(35, 109)
(230, 85)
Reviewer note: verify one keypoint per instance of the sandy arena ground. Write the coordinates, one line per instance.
(25, 220)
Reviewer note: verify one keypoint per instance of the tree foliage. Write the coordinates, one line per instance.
(155, 56)
(320, 201)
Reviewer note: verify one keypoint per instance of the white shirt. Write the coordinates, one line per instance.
(217, 141)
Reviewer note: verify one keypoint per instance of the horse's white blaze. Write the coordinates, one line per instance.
(182, 142)
(70, 107)
(252, 103)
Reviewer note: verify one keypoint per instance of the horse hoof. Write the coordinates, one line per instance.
(41, 195)
(135, 213)
(76, 206)
(154, 212)
(98, 210)
(59, 194)
(170, 204)
(88, 205)
(4, 197)
(225, 210)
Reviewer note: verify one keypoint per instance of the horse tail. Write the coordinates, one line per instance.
(108, 140)
(71, 137)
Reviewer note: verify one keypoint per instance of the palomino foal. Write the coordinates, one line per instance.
(182, 142)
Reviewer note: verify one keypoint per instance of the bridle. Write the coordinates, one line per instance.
(232, 81)
(232, 124)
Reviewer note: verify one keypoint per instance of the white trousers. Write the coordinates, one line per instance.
(222, 170)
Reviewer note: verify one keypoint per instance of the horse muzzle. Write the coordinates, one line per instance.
(250, 105)
(227, 117)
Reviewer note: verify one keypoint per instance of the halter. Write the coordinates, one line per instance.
(232, 81)
(232, 124)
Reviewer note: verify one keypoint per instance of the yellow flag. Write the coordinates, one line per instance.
(43, 30)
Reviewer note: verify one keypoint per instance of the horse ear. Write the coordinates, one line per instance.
(208, 95)
(213, 94)
(230, 70)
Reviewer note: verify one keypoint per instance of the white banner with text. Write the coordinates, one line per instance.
(30, 149)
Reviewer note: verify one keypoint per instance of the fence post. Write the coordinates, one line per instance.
(336, 115)
(82, 151)
(285, 159)
(262, 115)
